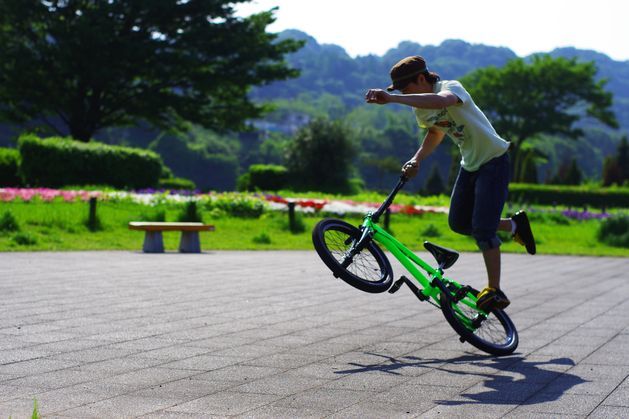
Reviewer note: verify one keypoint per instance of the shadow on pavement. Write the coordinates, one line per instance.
(523, 378)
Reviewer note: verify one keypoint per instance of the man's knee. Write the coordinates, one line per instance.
(486, 239)
(458, 226)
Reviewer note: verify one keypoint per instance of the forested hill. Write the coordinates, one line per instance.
(327, 68)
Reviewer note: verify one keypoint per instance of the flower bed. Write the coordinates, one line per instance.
(270, 202)
(45, 194)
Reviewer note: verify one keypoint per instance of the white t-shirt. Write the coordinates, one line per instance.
(466, 124)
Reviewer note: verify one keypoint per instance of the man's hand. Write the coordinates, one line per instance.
(378, 96)
(410, 168)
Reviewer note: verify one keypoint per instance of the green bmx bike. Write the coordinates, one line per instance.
(353, 254)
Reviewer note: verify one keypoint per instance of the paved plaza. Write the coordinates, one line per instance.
(273, 334)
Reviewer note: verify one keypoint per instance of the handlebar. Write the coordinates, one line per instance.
(387, 203)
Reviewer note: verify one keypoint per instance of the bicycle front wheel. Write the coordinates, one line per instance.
(495, 334)
(368, 270)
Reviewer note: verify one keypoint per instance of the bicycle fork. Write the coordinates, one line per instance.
(357, 246)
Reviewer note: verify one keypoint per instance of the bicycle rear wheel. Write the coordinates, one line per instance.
(495, 334)
(368, 270)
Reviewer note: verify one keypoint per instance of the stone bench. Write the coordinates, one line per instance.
(154, 242)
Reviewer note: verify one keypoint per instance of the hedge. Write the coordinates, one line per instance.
(9, 162)
(266, 177)
(55, 162)
(577, 196)
(177, 183)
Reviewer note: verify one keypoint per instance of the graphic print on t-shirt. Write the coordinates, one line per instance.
(443, 120)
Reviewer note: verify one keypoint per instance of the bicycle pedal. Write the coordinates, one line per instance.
(396, 285)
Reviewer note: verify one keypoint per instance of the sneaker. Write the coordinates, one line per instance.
(491, 298)
(523, 233)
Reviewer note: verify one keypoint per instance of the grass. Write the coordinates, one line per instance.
(61, 226)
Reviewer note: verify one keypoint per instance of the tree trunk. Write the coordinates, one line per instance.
(514, 155)
(81, 131)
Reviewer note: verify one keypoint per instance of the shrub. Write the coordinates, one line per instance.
(24, 239)
(8, 222)
(262, 238)
(190, 213)
(157, 215)
(56, 162)
(431, 231)
(243, 182)
(614, 231)
(176, 183)
(268, 177)
(237, 205)
(569, 195)
(9, 162)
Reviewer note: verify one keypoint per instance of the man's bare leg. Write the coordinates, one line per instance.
(492, 263)
(505, 224)
(492, 257)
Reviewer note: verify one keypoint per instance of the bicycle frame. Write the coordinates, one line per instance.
(429, 287)
(408, 259)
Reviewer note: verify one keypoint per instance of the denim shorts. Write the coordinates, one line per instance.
(478, 199)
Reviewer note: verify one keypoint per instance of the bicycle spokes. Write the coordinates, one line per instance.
(361, 264)
(487, 328)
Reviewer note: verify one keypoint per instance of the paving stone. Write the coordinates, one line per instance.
(279, 412)
(370, 381)
(379, 410)
(170, 353)
(324, 398)
(118, 365)
(239, 373)
(225, 403)
(620, 396)
(183, 390)
(56, 379)
(36, 366)
(119, 406)
(605, 412)
(206, 362)
(459, 407)
(551, 403)
(278, 384)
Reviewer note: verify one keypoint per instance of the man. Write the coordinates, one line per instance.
(480, 191)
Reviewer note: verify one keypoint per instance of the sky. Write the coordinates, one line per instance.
(365, 27)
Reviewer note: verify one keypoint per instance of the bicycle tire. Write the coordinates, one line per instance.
(496, 335)
(370, 270)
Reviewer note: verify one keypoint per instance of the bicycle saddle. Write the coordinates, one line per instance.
(445, 257)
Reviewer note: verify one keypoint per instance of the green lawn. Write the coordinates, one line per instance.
(61, 226)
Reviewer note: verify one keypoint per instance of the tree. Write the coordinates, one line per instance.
(83, 65)
(623, 157)
(530, 157)
(574, 176)
(209, 171)
(320, 157)
(548, 95)
(616, 167)
(567, 174)
(434, 184)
